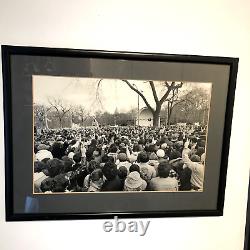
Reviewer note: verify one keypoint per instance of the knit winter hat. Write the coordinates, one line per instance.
(160, 153)
(133, 180)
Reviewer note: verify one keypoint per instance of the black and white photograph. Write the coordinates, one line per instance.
(109, 135)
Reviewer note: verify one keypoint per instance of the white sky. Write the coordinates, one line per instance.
(114, 93)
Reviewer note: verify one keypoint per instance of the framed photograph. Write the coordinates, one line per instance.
(98, 134)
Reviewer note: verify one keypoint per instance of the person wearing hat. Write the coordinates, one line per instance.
(134, 182)
(161, 155)
(123, 161)
(163, 182)
(147, 171)
(43, 152)
(197, 168)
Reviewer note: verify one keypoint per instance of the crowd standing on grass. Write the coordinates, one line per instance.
(108, 159)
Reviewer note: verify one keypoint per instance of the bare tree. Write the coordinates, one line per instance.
(82, 113)
(61, 108)
(176, 99)
(173, 86)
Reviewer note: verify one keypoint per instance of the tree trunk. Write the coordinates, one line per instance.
(156, 117)
(60, 122)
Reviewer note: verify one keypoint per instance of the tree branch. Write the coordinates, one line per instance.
(154, 91)
(165, 95)
(140, 94)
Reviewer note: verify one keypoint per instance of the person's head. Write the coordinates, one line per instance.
(57, 150)
(143, 157)
(136, 148)
(164, 145)
(122, 172)
(133, 181)
(110, 170)
(160, 153)
(77, 157)
(39, 166)
(96, 153)
(134, 167)
(174, 155)
(96, 175)
(152, 148)
(60, 183)
(195, 158)
(164, 169)
(122, 157)
(46, 185)
(55, 167)
(153, 156)
(200, 151)
(113, 149)
(107, 158)
(67, 162)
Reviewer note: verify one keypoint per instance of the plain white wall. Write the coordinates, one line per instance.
(216, 28)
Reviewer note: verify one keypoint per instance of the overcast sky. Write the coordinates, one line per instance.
(114, 94)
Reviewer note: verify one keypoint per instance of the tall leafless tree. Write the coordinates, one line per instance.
(169, 86)
(61, 108)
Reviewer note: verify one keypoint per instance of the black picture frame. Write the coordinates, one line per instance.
(71, 56)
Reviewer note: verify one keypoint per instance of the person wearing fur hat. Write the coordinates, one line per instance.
(161, 155)
(197, 168)
(43, 152)
(134, 182)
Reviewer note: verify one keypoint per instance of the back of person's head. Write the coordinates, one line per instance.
(60, 183)
(195, 158)
(113, 149)
(105, 158)
(134, 167)
(136, 148)
(110, 170)
(67, 162)
(164, 169)
(39, 166)
(46, 185)
(143, 157)
(200, 151)
(55, 167)
(57, 150)
(122, 172)
(122, 157)
(160, 153)
(174, 155)
(77, 157)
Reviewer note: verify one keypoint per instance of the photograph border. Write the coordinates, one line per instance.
(8, 51)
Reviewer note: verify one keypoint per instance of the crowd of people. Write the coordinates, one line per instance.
(108, 159)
